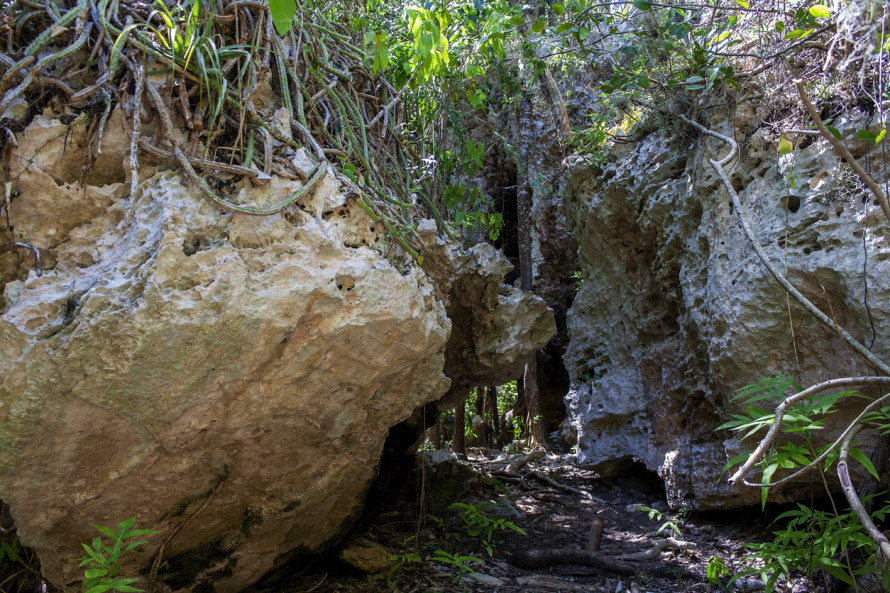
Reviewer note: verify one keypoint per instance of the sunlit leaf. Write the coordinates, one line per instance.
(785, 147)
(642, 4)
(820, 11)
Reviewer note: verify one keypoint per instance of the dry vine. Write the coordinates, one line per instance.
(246, 98)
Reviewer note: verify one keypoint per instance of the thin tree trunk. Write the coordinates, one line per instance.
(459, 445)
(436, 435)
(526, 281)
(492, 397)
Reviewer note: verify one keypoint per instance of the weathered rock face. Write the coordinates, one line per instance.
(175, 358)
(676, 312)
(495, 326)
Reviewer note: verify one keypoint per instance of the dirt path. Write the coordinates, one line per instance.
(556, 505)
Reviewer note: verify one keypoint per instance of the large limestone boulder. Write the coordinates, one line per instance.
(676, 312)
(495, 326)
(233, 375)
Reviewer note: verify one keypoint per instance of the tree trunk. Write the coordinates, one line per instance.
(459, 445)
(524, 195)
(436, 435)
(491, 394)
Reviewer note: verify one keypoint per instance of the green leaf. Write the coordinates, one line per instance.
(667, 45)
(630, 50)
(517, 20)
(693, 79)
(538, 26)
(785, 147)
(642, 4)
(558, 9)
(867, 136)
(743, 4)
(780, 27)
(283, 12)
(564, 27)
(820, 11)
(834, 132)
(865, 461)
(794, 34)
(642, 82)
(92, 573)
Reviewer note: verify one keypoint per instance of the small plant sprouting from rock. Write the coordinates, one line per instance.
(103, 562)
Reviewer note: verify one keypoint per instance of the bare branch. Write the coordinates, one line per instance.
(843, 473)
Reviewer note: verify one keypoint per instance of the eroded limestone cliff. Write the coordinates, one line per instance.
(676, 312)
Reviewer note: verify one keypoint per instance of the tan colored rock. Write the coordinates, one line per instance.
(366, 555)
(195, 357)
(495, 326)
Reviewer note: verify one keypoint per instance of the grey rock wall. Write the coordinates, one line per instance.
(676, 312)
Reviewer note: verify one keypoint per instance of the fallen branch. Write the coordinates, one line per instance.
(514, 467)
(540, 558)
(656, 550)
(548, 480)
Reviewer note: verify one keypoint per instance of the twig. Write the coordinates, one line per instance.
(547, 479)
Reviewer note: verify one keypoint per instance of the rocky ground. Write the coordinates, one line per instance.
(556, 505)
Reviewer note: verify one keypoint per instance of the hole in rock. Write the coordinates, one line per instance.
(792, 203)
(192, 246)
(631, 474)
(345, 282)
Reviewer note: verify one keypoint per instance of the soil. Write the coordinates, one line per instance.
(555, 519)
